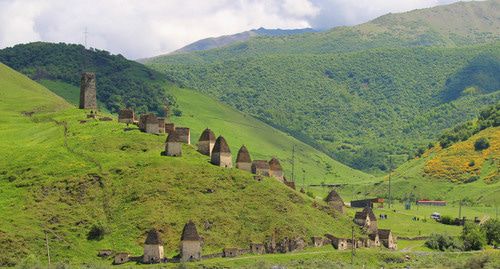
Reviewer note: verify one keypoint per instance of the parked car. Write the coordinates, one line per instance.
(436, 216)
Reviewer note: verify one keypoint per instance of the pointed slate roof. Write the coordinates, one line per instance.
(221, 146)
(333, 196)
(207, 135)
(174, 137)
(189, 232)
(153, 238)
(384, 234)
(274, 164)
(243, 155)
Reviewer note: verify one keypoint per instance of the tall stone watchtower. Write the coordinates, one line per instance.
(88, 91)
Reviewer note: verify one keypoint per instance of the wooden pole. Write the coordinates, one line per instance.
(352, 246)
(48, 250)
(390, 174)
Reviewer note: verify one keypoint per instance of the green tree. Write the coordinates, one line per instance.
(473, 236)
(491, 228)
(481, 143)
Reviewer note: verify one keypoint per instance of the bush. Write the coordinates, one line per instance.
(491, 228)
(96, 232)
(448, 220)
(481, 143)
(473, 236)
(443, 242)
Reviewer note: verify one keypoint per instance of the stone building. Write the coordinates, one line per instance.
(184, 134)
(221, 154)
(230, 252)
(366, 219)
(257, 248)
(153, 248)
(275, 169)
(173, 145)
(387, 239)
(169, 127)
(335, 201)
(260, 167)
(151, 124)
(206, 142)
(126, 115)
(243, 160)
(340, 243)
(121, 258)
(317, 241)
(88, 94)
(374, 240)
(190, 243)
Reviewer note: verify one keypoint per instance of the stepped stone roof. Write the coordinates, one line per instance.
(367, 211)
(151, 118)
(274, 164)
(260, 164)
(384, 234)
(333, 196)
(174, 137)
(126, 113)
(243, 155)
(182, 130)
(153, 238)
(189, 232)
(207, 135)
(221, 145)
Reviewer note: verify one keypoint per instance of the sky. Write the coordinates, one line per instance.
(144, 28)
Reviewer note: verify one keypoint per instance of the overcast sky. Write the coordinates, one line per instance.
(142, 28)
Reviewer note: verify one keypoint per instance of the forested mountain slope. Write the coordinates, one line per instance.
(93, 185)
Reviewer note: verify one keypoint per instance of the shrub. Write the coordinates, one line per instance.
(491, 228)
(443, 242)
(96, 232)
(448, 220)
(481, 144)
(473, 236)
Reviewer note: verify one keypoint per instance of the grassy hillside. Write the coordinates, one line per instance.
(357, 107)
(121, 82)
(65, 177)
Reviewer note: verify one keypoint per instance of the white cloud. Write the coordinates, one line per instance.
(137, 28)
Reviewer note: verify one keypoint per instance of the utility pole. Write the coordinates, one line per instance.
(390, 174)
(303, 178)
(293, 163)
(460, 209)
(47, 246)
(85, 33)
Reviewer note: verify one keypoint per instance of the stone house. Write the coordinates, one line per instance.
(88, 93)
(230, 252)
(169, 127)
(221, 154)
(317, 241)
(153, 248)
(126, 115)
(339, 243)
(151, 124)
(184, 134)
(190, 243)
(257, 248)
(104, 253)
(367, 220)
(374, 240)
(275, 169)
(260, 167)
(335, 201)
(173, 145)
(387, 239)
(206, 142)
(243, 160)
(121, 258)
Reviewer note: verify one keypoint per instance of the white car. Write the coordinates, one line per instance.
(436, 216)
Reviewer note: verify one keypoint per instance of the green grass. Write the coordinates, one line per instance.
(62, 176)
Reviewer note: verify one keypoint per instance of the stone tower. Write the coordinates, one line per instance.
(221, 154)
(335, 201)
(275, 169)
(190, 243)
(153, 248)
(88, 91)
(206, 142)
(173, 145)
(243, 160)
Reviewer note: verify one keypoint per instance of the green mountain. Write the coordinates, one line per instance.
(64, 175)
(122, 82)
(359, 93)
(226, 40)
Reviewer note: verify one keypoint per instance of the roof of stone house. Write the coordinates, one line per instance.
(153, 238)
(207, 135)
(126, 113)
(189, 232)
(274, 164)
(333, 196)
(182, 130)
(151, 118)
(174, 137)
(243, 155)
(384, 234)
(367, 211)
(221, 145)
(260, 164)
